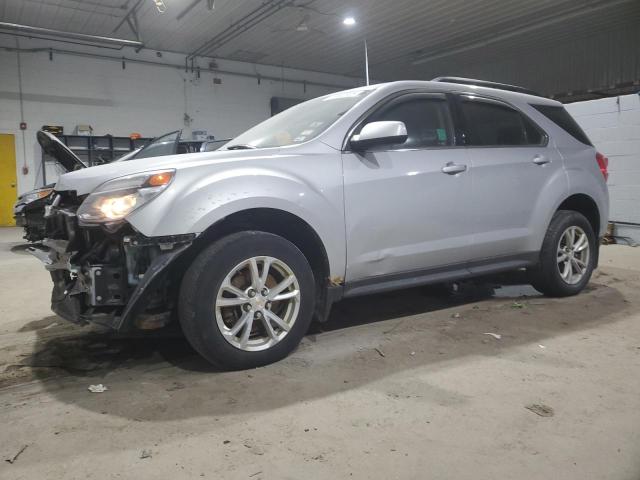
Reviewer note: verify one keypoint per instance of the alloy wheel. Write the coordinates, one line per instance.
(257, 303)
(573, 255)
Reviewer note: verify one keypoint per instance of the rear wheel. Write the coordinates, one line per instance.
(247, 300)
(567, 257)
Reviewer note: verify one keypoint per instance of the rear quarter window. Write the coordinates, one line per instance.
(564, 120)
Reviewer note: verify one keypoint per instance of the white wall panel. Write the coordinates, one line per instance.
(148, 99)
(613, 125)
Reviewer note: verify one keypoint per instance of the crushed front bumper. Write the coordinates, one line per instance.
(115, 278)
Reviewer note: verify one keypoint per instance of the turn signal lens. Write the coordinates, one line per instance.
(159, 179)
(44, 193)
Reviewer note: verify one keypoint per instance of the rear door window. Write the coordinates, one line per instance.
(426, 117)
(490, 123)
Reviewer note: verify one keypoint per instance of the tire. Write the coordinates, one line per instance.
(546, 277)
(208, 324)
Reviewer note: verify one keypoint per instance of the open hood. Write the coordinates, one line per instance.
(58, 150)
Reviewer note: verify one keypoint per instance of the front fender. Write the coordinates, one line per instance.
(195, 202)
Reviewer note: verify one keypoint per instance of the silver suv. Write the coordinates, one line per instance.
(357, 192)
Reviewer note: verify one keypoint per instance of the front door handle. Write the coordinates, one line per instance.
(453, 168)
(541, 160)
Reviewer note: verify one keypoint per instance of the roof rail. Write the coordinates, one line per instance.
(484, 83)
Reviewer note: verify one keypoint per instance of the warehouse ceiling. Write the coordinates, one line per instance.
(406, 38)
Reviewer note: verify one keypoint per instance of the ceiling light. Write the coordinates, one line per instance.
(160, 5)
(349, 21)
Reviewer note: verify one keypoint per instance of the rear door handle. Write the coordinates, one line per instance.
(453, 168)
(541, 160)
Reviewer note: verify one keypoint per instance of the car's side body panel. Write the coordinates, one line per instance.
(403, 213)
(511, 198)
(205, 194)
(585, 178)
(581, 169)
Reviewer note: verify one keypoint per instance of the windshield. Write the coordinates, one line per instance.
(300, 123)
(164, 145)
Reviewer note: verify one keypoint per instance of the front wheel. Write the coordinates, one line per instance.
(247, 300)
(567, 257)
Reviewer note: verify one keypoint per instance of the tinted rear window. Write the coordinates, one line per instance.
(491, 123)
(564, 120)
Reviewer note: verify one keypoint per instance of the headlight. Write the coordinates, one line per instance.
(36, 195)
(117, 198)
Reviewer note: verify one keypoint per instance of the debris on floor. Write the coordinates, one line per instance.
(380, 352)
(13, 459)
(146, 454)
(255, 449)
(517, 305)
(540, 409)
(455, 315)
(99, 388)
(497, 336)
(541, 346)
(175, 386)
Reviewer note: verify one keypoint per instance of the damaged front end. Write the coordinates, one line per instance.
(109, 274)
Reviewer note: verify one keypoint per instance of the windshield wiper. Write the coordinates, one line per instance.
(241, 146)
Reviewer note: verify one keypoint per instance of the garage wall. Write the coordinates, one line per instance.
(599, 61)
(613, 125)
(148, 99)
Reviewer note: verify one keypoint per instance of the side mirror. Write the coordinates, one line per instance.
(379, 133)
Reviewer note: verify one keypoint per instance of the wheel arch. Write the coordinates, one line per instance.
(284, 224)
(585, 205)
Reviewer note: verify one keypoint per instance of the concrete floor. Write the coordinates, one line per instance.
(404, 385)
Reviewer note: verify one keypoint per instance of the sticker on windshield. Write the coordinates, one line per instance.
(442, 134)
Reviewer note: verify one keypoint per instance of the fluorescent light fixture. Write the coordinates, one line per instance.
(349, 21)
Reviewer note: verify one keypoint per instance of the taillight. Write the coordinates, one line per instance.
(603, 163)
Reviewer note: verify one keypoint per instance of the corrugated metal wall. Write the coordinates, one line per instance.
(596, 62)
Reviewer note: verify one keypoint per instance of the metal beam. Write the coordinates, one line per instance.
(53, 34)
(132, 20)
(132, 10)
(245, 23)
(187, 9)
